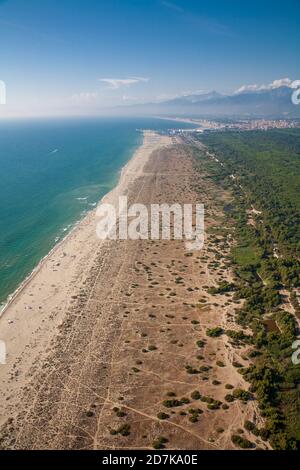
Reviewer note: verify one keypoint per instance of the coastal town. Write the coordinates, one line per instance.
(207, 125)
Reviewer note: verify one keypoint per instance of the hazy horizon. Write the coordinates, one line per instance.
(76, 58)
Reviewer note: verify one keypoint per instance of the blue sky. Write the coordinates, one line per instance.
(80, 56)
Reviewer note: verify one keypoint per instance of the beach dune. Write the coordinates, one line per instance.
(107, 345)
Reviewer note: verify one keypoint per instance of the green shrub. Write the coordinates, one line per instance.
(172, 403)
(214, 332)
(241, 394)
(220, 363)
(241, 442)
(185, 400)
(229, 398)
(124, 429)
(264, 434)
(216, 382)
(249, 426)
(193, 418)
(195, 395)
(229, 386)
(163, 415)
(159, 443)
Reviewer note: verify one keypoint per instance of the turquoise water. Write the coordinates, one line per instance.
(52, 173)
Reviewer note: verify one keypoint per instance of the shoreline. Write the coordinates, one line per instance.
(181, 119)
(29, 277)
(34, 272)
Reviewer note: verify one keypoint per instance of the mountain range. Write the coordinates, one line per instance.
(270, 102)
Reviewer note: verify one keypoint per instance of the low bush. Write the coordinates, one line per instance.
(214, 332)
(241, 442)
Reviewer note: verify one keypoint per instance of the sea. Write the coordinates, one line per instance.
(53, 171)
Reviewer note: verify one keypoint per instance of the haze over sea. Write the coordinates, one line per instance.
(52, 173)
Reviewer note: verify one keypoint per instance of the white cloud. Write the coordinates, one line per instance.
(193, 92)
(116, 83)
(271, 86)
(281, 82)
(183, 94)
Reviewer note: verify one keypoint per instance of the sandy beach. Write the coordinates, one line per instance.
(30, 319)
(106, 342)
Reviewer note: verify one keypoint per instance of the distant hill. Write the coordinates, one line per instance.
(275, 102)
